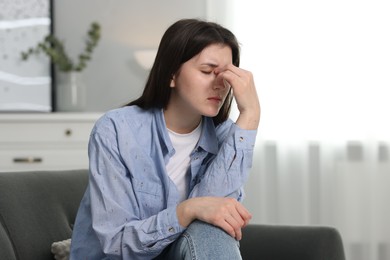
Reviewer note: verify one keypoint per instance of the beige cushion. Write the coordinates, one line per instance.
(61, 249)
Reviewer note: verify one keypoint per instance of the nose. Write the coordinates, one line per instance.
(220, 83)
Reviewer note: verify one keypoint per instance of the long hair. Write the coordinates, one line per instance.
(183, 40)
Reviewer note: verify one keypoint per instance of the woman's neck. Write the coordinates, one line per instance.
(180, 122)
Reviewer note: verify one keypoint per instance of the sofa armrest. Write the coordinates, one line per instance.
(38, 208)
(6, 248)
(291, 243)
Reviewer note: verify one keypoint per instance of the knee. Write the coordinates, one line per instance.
(209, 234)
(210, 242)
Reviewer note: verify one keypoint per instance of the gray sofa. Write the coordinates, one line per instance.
(39, 208)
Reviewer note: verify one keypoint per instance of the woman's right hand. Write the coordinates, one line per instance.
(226, 213)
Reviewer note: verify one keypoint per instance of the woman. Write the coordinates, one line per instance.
(167, 170)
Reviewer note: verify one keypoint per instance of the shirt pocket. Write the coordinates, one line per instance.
(149, 196)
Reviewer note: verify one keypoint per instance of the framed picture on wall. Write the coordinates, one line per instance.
(25, 85)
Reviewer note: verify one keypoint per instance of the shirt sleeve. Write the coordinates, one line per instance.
(114, 206)
(226, 173)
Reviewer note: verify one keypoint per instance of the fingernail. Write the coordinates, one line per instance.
(226, 84)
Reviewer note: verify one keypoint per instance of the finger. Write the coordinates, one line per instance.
(238, 78)
(227, 228)
(236, 226)
(230, 67)
(244, 213)
(238, 234)
(239, 220)
(230, 79)
(226, 84)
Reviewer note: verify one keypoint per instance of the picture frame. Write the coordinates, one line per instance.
(25, 85)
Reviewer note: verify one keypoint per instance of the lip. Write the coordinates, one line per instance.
(215, 99)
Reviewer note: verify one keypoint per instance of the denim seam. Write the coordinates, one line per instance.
(191, 245)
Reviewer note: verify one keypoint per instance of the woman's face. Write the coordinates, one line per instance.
(196, 88)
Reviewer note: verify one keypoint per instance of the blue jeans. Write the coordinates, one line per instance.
(202, 241)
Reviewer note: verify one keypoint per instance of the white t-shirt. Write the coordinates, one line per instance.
(178, 164)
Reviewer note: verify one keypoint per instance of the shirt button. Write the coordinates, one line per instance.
(241, 138)
(171, 229)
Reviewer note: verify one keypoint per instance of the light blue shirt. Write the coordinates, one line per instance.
(129, 208)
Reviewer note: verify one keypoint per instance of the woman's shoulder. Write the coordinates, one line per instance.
(123, 117)
(128, 112)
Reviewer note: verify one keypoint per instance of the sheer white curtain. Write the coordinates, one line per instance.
(322, 69)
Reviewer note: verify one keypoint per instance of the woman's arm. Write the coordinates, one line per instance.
(215, 198)
(227, 173)
(116, 209)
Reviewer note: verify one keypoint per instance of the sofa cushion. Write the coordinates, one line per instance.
(39, 208)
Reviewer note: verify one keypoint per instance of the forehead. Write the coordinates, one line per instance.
(218, 54)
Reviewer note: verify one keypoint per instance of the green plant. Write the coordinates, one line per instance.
(55, 49)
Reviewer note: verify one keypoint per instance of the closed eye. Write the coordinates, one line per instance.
(207, 68)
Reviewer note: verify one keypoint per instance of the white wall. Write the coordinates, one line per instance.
(323, 150)
(113, 77)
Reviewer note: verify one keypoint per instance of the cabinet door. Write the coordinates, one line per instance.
(43, 159)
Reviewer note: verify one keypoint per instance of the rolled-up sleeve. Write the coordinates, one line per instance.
(226, 174)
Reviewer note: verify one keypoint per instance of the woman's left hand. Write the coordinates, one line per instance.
(226, 213)
(244, 91)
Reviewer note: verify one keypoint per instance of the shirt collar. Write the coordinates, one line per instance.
(165, 141)
(208, 139)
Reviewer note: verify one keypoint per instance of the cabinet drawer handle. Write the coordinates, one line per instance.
(27, 160)
(68, 132)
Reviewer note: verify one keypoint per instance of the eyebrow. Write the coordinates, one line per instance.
(213, 65)
(209, 65)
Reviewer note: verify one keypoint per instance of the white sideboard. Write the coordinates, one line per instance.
(45, 141)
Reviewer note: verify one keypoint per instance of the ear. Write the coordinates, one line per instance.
(173, 82)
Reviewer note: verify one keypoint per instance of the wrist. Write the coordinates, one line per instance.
(248, 120)
(185, 213)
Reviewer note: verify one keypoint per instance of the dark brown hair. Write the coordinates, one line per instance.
(183, 40)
